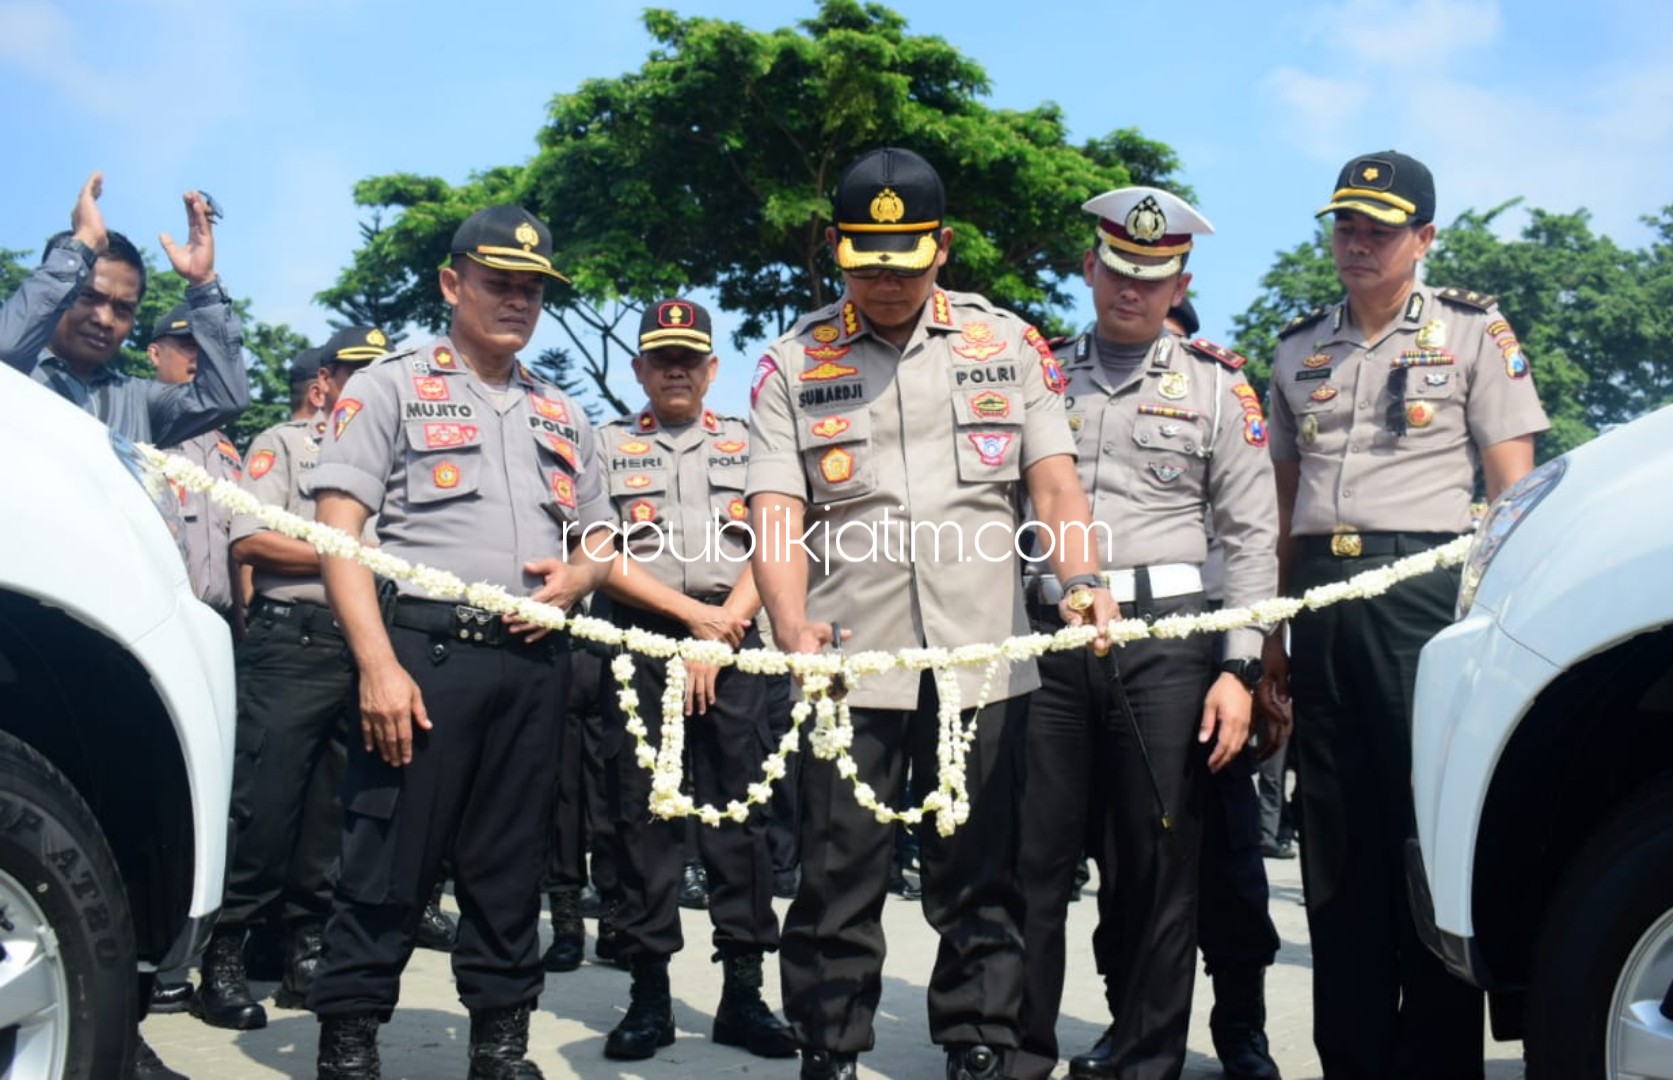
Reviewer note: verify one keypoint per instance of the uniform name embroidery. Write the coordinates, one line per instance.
(624, 464)
(728, 461)
(990, 405)
(444, 435)
(836, 465)
(764, 369)
(826, 395)
(999, 373)
(261, 463)
(991, 446)
(431, 410)
(552, 427)
(446, 475)
(430, 387)
(827, 370)
(977, 342)
(1316, 373)
(831, 427)
(347, 409)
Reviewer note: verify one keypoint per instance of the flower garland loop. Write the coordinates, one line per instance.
(831, 734)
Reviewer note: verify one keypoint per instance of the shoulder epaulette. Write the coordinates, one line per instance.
(1301, 322)
(1466, 298)
(831, 313)
(399, 354)
(1218, 353)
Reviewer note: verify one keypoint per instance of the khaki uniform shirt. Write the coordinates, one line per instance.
(208, 523)
(280, 473)
(1175, 451)
(1467, 386)
(903, 457)
(464, 480)
(680, 498)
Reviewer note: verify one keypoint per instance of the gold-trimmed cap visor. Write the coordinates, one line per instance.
(513, 259)
(902, 250)
(1379, 205)
(1139, 271)
(688, 338)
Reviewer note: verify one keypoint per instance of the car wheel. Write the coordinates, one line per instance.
(68, 985)
(1605, 956)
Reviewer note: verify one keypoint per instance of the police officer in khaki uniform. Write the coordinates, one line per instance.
(475, 467)
(913, 420)
(1171, 440)
(1383, 407)
(173, 352)
(295, 700)
(676, 474)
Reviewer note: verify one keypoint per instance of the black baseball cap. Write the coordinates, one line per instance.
(306, 366)
(177, 323)
(1185, 314)
(675, 324)
(889, 208)
(354, 345)
(506, 237)
(1391, 187)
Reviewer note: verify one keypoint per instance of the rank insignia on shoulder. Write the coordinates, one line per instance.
(1301, 322)
(1476, 301)
(1205, 347)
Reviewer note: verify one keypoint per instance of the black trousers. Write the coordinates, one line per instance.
(1085, 763)
(1234, 926)
(724, 750)
(832, 961)
(1383, 1006)
(580, 814)
(784, 811)
(296, 700)
(478, 792)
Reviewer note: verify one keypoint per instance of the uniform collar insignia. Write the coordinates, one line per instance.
(1161, 353)
(646, 422)
(1414, 307)
(711, 422)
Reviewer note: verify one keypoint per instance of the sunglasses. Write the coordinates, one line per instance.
(872, 273)
(1396, 416)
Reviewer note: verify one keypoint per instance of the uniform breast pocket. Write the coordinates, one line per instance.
(1430, 394)
(1167, 450)
(639, 495)
(837, 456)
(444, 461)
(987, 434)
(726, 492)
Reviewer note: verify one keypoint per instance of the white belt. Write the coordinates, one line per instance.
(1166, 580)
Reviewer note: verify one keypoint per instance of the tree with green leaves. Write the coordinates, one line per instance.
(712, 167)
(1594, 318)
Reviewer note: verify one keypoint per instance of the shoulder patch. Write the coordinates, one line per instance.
(1301, 322)
(1221, 355)
(1466, 298)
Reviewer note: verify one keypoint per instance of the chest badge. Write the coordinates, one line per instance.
(261, 463)
(836, 466)
(1436, 378)
(446, 475)
(1310, 428)
(642, 512)
(1420, 414)
(1076, 421)
(1324, 393)
(1432, 336)
(1317, 360)
(1174, 385)
(831, 427)
(991, 446)
(737, 509)
(1167, 474)
(637, 481)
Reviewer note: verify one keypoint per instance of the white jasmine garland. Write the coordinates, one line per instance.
(831, 733)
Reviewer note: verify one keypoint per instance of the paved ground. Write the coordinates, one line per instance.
(427, 1039)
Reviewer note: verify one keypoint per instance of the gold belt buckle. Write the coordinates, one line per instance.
(1346, 544)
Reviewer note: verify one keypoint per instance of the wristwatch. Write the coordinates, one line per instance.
(1248, 672)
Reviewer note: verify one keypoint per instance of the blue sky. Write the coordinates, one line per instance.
(278, 108)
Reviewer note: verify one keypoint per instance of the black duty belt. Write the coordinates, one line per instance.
(307, 618)
(1358, 545)
(458, 622)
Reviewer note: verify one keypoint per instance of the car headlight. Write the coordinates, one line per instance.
(162, 496)
(1503, 516)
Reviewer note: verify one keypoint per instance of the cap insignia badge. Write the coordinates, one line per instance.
(376, 338)
(676, 315)
(1371, 172)
(1146, 222)
(526, 235)
(886, 207)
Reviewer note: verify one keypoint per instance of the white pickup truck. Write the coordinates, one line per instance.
(1542, 763)
(116, 741)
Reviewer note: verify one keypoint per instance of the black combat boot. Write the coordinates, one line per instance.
(1097, 1063)
(608, 948)
(569, 936)
(303, 953)
(435, 929)
(1238, 1024)
(264, 953)
(743, 1019)
(348, 1047)
(649, 1022)
(973, 1061)
(830, 1065)
(174, 996)
(223, 1000)
(694, 886)
(500, 1045)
